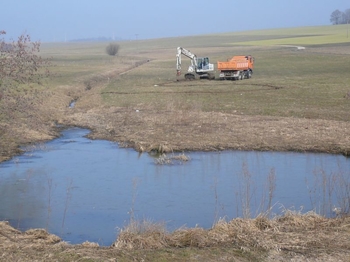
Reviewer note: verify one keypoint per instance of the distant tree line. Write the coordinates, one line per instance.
(338, 17)
(96, 39)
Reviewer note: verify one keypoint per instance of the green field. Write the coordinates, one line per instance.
(307, 83)
(305, 36)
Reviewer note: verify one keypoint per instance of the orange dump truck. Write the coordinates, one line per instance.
(237, 68)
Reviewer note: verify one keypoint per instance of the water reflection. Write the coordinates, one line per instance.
(84, 190)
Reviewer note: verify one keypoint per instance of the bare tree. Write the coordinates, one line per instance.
(19, 64)
(19, 61)
(336, 17)
(346, 16)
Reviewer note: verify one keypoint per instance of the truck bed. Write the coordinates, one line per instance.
(236, 63)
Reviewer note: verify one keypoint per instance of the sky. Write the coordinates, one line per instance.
(65, 20)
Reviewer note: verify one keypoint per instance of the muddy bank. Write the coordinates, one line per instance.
(165, 131)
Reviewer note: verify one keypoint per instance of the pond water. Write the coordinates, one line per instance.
(85, 190)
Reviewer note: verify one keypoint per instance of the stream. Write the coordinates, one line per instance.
(87, 190)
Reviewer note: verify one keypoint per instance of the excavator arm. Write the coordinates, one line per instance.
(187, 53)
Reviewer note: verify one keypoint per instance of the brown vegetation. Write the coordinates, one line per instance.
(290, 237)
(308, 234)
(19, 61)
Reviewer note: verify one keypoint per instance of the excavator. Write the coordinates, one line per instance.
(199, 65)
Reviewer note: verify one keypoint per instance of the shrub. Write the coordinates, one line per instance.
(112, 49)
(20, 62)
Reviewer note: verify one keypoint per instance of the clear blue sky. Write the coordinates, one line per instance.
(54, 20)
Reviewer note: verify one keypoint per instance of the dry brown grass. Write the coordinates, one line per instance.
(142, 235)
(164, 159)
(165, 131)
(308, 235)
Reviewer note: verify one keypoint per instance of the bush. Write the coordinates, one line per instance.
(112, 49)
(20, 62)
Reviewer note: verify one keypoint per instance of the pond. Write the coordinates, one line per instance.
(86, 190)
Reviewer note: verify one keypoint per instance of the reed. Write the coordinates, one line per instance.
(49, 207)
(164, 159)
(66, 203)
(330, 193)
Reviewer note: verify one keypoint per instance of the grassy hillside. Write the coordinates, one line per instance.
(286, 36)
(334, 34)
(306, 83)
(286, 82)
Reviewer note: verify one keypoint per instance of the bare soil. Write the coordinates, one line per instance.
(146, 128)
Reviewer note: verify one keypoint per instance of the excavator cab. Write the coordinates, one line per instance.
(203, 63)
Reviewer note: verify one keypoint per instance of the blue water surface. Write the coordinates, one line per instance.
(86, 190)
